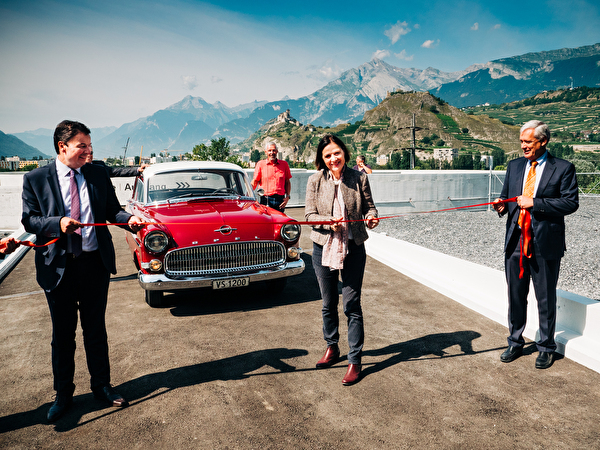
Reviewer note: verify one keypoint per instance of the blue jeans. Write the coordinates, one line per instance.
(273, 201)
(352, 278)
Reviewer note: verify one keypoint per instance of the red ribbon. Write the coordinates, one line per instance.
(325, 222)
(525, 241)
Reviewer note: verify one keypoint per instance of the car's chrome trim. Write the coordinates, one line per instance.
(224, 258)
(162, 283)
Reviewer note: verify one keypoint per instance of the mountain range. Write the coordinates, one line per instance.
(510, 79)
(387, 128)
(13, 146)
(191, 121)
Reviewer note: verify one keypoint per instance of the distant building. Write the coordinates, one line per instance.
(160, 159)
(445, 154)
(587, 148)
(9, 165)
(13, 159)
(487, 160)
(382, 160)
(28, 163)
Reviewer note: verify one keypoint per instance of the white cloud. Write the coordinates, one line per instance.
(496, 27)
(403, 55)
(215, 79)
(417, 26)
(189, 82)
(328, 71)
(380, 54)
(395, 32)
(430, 43)
(475, 26)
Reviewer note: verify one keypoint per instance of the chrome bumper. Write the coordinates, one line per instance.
(161, 282)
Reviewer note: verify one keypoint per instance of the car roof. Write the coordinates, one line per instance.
(189, 165)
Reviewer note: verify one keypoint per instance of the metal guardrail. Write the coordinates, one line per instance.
(10, 261)
(593, 191)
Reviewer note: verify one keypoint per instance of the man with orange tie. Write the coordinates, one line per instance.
(74, 270)
(546, 191)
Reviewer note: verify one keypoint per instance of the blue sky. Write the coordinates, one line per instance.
(109, 62)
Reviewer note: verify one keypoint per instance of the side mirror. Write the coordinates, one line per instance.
(260, 192)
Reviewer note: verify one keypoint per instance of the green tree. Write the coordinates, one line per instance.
(463, 162)
(396, 161)
(405, 164)
(560, 150)
(137, 160)
(217, 151)
(478, 164)
(28, 167)
(499, 156)
(255, 156)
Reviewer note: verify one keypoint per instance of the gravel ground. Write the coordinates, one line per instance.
(478, 236)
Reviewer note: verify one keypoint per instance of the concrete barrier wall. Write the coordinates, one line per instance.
(484, 290)
(394, 191)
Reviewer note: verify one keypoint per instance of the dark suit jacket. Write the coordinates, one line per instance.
(43, 208)
(118, 171)
(557, 196)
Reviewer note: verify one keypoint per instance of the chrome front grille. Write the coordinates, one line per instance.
(219, 259)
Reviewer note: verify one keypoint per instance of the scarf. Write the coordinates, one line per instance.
(336, 247)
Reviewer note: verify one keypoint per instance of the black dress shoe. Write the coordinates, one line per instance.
(544, 360)
(108, 394)
(511, 353)
(59, 407)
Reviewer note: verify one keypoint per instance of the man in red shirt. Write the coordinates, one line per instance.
(273, 175)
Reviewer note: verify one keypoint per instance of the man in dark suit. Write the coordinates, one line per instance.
(546, 191)
(117, 171)
(74, 268)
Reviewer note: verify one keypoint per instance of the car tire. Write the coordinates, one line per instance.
(154, 298)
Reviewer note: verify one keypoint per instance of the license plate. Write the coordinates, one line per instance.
(231, 283)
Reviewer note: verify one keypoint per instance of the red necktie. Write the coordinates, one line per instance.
(525, 217)
(76, 240)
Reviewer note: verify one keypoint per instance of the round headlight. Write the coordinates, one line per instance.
(156, 241)
(290, 232)
(155, 265)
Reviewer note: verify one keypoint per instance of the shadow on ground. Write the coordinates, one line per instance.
(145, 388)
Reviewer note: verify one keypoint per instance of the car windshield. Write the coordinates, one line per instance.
(173, 186)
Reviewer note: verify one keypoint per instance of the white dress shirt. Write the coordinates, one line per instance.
(88, 234)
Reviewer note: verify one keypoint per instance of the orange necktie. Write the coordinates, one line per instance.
(528, 189)
(525, 218)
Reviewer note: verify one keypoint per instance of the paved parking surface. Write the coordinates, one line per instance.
(235, 369)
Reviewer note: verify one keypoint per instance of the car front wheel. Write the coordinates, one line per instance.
(154, 298)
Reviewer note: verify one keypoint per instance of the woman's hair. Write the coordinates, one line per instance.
(67, 130)
(324, 142)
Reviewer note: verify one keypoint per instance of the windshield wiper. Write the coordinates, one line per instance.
(189, 194)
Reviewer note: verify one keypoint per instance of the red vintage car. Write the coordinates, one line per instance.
(208, 230)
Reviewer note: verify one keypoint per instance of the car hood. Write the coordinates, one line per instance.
(198, 222)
